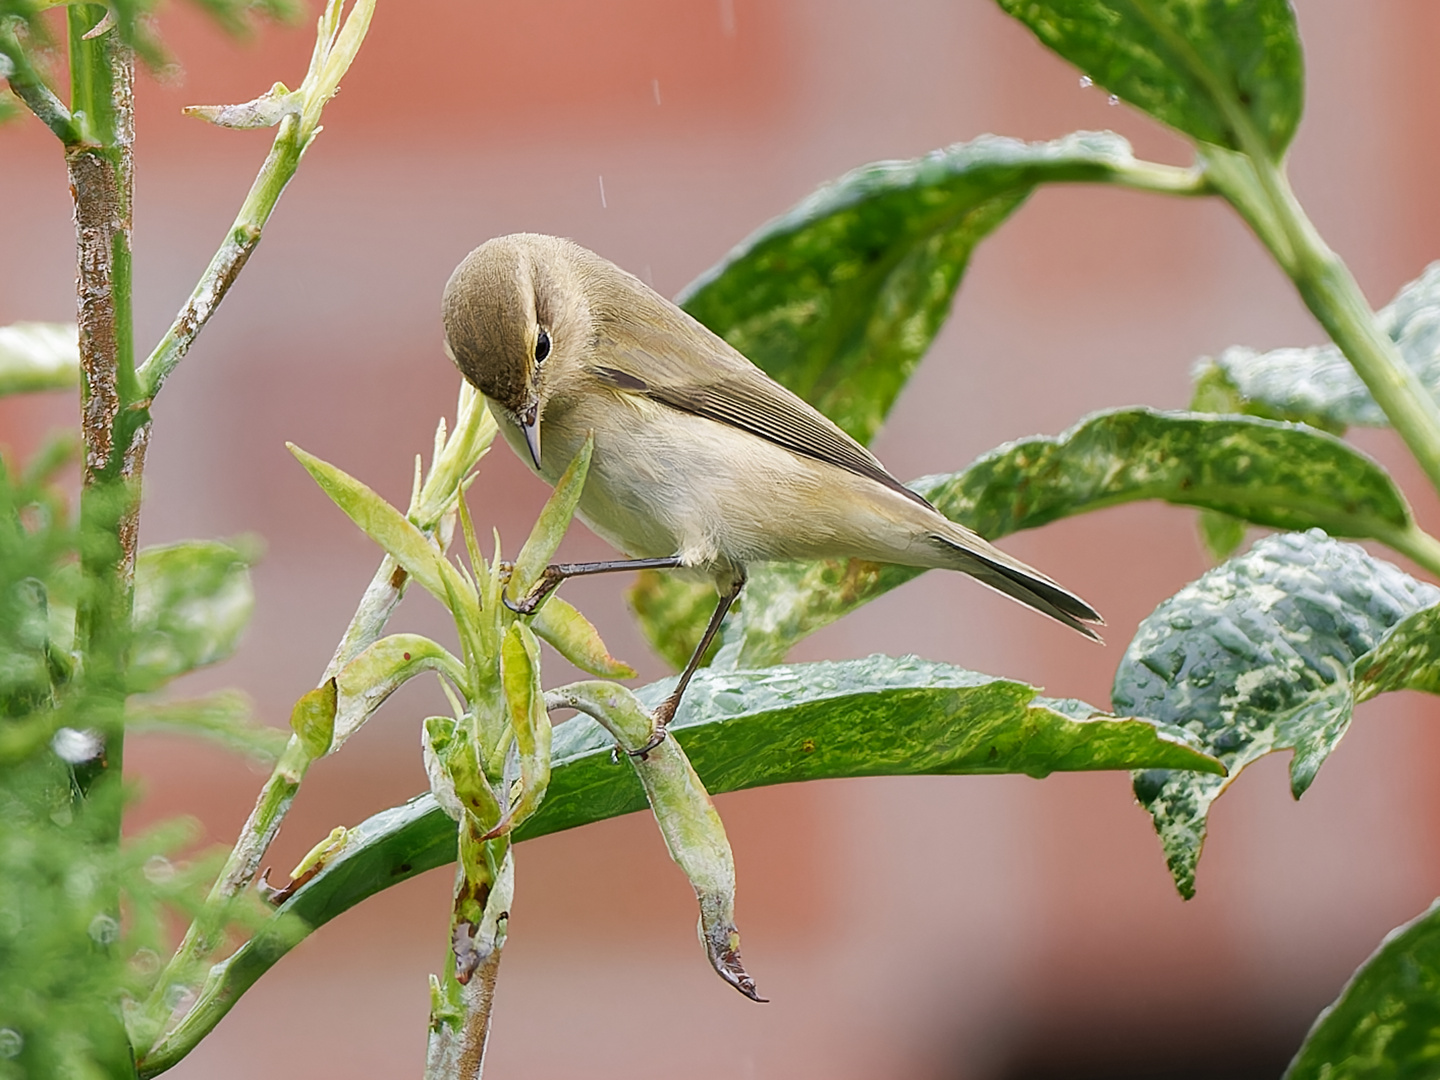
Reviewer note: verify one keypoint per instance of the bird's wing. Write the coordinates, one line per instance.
(691, 369)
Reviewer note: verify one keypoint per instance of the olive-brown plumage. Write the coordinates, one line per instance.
(699, 455)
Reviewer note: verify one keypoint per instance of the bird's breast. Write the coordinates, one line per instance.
(665, 482)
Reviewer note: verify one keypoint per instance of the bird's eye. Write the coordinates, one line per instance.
(542, 346)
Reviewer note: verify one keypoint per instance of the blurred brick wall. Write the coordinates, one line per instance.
(940, 927)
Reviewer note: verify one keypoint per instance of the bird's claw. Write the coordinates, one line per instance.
(661, 718)
(550, 579)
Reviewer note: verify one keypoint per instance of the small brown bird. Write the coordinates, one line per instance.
(701, 460)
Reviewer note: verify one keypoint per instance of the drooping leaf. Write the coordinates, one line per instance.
(693, 832)
(39, 356)
(1261, 471)
(377, 672)
(226, 716)
(192, 603)
(1270, 651)
(1317, 384)
(1206, 67)
(1386, 1023)
(873, 717)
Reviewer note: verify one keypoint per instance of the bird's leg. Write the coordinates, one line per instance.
(555, 573)
(665, 712)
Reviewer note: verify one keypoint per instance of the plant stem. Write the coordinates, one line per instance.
(280, 165)
(261, 827)
(30, 88)
(1260, 192)
(116, 425)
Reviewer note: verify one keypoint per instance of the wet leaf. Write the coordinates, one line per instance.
(876, 717)
(1317, 384)
(1386, 1023)
(1270, 651)
(1261, 471)
(227, 717)
(1206, 67)
(840, 297)
(39, 356)
(192, 603)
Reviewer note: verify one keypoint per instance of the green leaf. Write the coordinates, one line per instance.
(1221, 534)
(839, 298)
(192, 602)
(1228, 72)
(1282, 475)
(382, 668)
(876, 717)
(574, 637)
(550, 526)
(39, 356)
(1386, 1023)
(529, 722)
(313, 719)
(389, 528)
(693, 832)
(1317, 384)
(226, 716)
(1268, 652)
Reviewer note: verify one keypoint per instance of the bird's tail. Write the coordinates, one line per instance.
(990, 566)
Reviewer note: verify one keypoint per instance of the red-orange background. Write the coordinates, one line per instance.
(937, 927)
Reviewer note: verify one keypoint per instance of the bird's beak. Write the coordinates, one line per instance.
(530, 424)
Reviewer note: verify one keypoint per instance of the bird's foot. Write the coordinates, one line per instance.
(550, 579)
(660, 718)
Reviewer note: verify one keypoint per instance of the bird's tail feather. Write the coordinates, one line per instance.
(1010, 576)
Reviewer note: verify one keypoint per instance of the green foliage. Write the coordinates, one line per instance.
(193, 600)
(1317, 384)
(1386, 1023)
(38, 356)
(65, 891)
(1209, 68)
(1270, 651)
(839, 300)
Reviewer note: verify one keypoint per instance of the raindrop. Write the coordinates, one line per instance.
(1114, 99)
(11, 1043)
(655, 87)
(76, 747)
(602, 193)
(145, 961)
(1086, 82)
(649, 277)
(104, 930)
(159, 870)
(179, 997)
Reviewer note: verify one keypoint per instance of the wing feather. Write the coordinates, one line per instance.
(691, 369)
